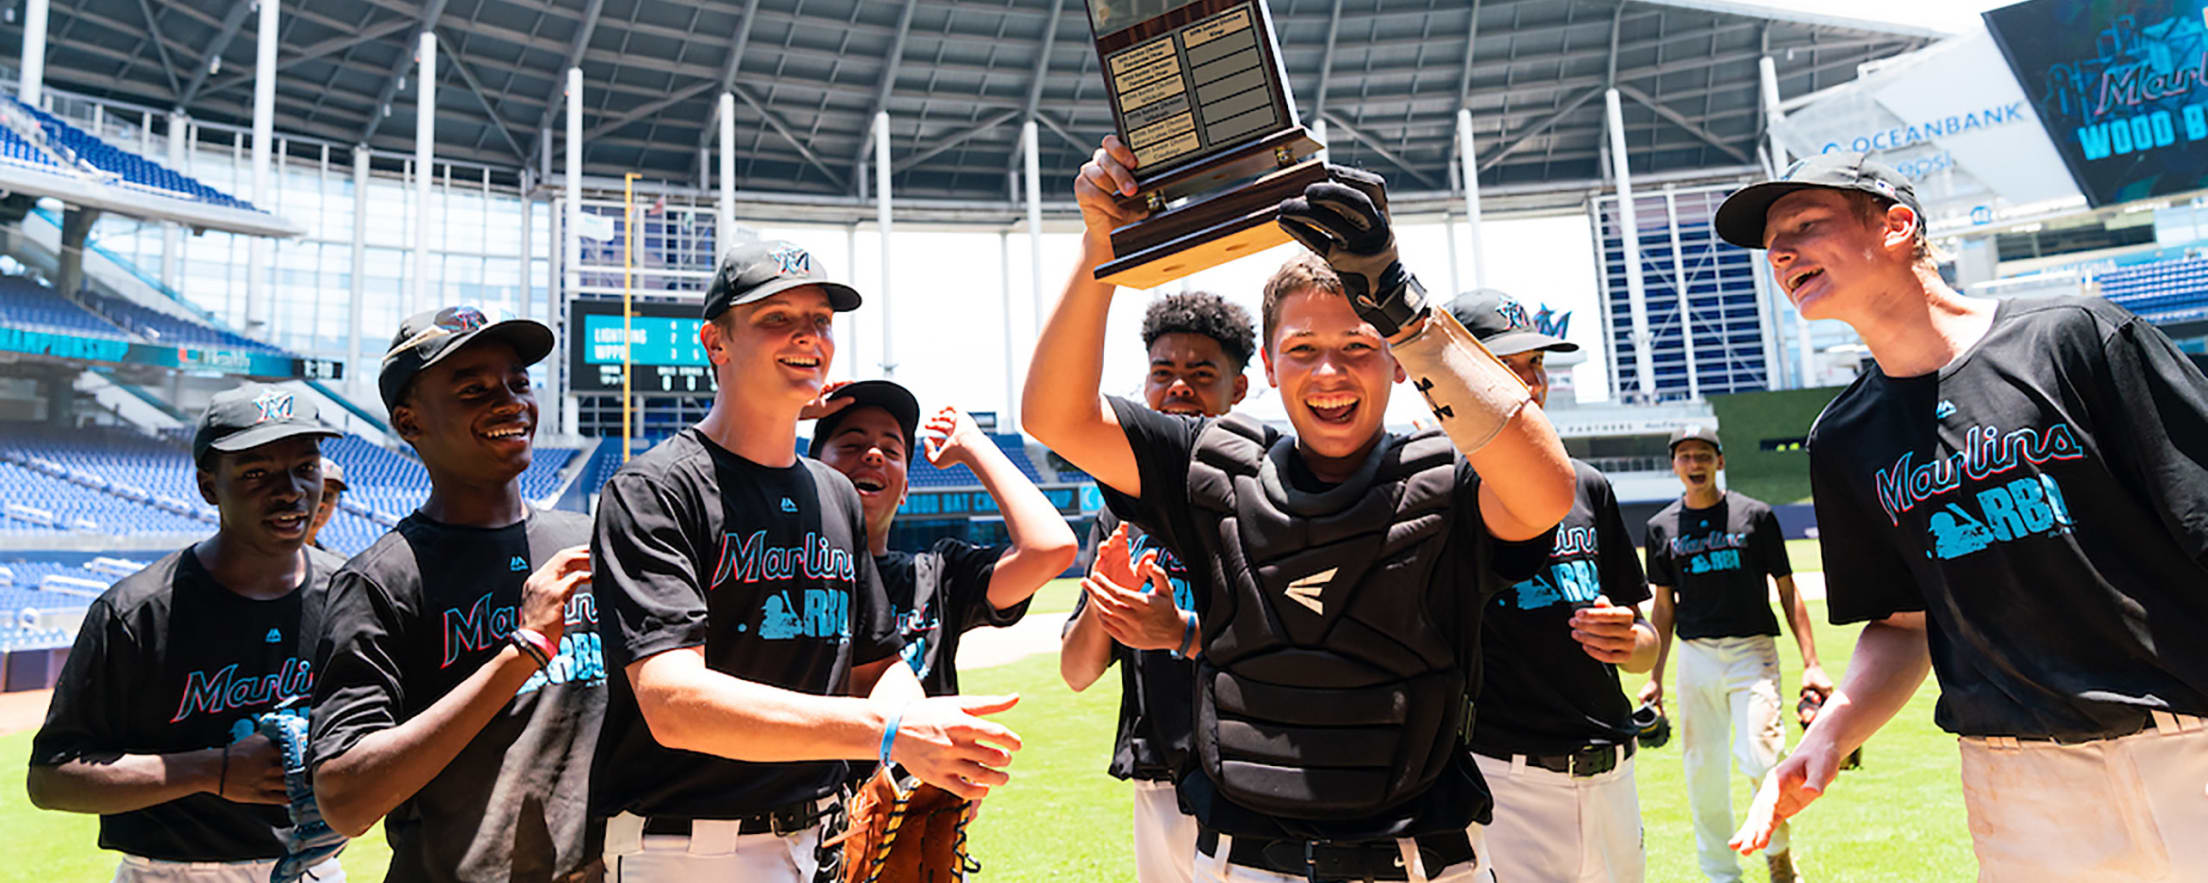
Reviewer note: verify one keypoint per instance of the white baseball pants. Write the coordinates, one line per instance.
(2133, 808)
(713, 851)
(1165, 837)
(1728, 704)
(135, 869)
(1558, 827)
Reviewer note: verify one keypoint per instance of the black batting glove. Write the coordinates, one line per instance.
(1340, 219)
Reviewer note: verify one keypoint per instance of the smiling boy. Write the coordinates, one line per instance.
(152, 724)
(462, 688)
(1346, 568)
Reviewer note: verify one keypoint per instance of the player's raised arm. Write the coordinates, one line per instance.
(1526, 483)
(1062, 406)
(1042, 545)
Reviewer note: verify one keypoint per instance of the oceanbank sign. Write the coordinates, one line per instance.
(1921, 132)
(1946, 117)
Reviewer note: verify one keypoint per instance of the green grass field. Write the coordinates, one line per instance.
(1900, 818)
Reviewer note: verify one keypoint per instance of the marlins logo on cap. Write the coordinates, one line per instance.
(274, 404)
(791, 260)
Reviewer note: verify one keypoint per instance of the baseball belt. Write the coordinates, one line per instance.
(1593, 760)
(1321, 860)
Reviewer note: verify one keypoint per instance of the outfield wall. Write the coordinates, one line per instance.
(1763, 434)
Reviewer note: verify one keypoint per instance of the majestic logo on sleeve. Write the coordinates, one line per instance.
(224, 691)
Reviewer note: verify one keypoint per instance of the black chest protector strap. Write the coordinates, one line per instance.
(1326, 686)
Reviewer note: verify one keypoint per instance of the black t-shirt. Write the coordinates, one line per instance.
(1543, 694)
(1473, 567)
(1157, 693)
(1715, 561)
(168, 660)
(410, 618)
(766, 569)
(2044, 499)
(938, 595)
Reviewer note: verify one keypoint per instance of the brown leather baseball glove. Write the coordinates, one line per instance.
(905, 831)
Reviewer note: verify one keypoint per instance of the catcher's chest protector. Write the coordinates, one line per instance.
(1325, 687)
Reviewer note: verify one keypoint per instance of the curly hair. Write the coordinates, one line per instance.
(1204, 313)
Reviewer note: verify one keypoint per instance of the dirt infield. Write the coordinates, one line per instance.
(985, 647)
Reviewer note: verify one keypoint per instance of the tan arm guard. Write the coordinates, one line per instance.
(1471, 392)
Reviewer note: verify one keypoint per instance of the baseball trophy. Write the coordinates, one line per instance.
(1199, 95)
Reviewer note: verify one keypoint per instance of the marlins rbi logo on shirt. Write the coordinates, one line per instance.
(1572, 581)
(817, 611)
(2006, 509)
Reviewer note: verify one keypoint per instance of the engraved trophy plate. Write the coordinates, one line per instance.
(1199, 95)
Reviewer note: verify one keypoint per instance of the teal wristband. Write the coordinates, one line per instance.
(1188, 634)
(889, 735)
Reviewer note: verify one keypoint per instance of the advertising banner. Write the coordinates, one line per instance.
(2121, 87)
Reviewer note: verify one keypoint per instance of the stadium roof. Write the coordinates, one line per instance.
(959, 76)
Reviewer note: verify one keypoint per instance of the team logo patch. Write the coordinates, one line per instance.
(1945, 410)
(457, 319)
(518, 564)
(790, 260)
(788, 505)
(1515, 313)
(274, 404)
(1306, 591)
(275, 636)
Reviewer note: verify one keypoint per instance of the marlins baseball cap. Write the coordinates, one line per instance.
(1696, 432)
(762, 268)
(251, 416)
(334, 474)
(425, 339)
(1740, 219)
(883, 394)
(1502, 324)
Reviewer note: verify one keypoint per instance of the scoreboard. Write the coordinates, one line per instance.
(662, 342)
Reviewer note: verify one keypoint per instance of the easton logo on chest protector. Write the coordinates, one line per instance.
(1327, 686)
(1306, 591)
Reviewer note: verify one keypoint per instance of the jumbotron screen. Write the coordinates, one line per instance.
(663, 348)
(2121, 86)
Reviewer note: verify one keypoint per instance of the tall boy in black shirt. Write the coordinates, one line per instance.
(462, 687)
(1199, 346)
(748, 636)
(1709, 555)
(2017, 499)
(1555, 738)
(1346, 568)
(938, 595)
(153, 720)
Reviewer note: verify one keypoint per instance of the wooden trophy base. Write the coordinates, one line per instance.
(1275, 151)
(1206, 232)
